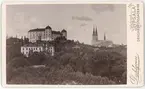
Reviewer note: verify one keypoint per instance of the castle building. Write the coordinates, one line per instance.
(27, 49)
(45, 34)
(100, 43)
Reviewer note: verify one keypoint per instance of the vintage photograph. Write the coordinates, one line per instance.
(66, 44)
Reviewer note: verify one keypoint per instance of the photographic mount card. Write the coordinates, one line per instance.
(72, 44)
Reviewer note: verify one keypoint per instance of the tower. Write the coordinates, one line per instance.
(64, 33)
(104, 36)
(94, 36)
(48, 32)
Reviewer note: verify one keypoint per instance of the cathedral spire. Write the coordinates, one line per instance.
(95, 35)
(93, 30)
(104, 36)
(96, 31)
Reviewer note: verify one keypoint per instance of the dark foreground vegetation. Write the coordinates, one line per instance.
(73, 63)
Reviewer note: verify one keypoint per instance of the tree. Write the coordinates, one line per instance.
(13, 48)
(20, 61)
(61, 38)
(36, 58)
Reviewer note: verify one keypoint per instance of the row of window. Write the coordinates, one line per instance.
(51, 48)
(26, 53)
(32, 48)
(43, 37)
(36, 48)
(51, 51)
(36, 34)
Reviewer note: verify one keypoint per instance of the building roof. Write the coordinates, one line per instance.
(56, 32)
(37, 29)
(48, 27)
(40, 29)
(63, 30)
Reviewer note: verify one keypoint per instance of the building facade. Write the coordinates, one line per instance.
(100, 43)
(45, 34)
(30, 48)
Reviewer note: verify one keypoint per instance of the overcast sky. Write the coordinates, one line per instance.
(78, 20)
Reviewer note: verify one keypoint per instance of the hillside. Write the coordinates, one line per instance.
(73, 63)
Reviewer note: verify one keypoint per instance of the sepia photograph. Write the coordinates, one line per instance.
(66, 44)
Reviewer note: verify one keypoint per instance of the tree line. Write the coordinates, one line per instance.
(81, 65)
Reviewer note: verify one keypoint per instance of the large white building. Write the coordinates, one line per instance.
(26, 49)
(45, 34)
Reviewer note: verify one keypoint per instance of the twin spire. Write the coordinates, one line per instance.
(95, 32)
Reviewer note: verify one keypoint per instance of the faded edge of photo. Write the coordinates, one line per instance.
(130, 46)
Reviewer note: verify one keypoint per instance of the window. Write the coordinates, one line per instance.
(36, 48)
(26, 48)
(40, 49)
(23, 48)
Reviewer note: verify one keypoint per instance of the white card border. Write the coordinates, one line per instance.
(70, 2)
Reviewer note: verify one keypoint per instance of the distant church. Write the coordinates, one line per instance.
(100, 43)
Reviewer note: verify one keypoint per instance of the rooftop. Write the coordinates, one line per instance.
(37, 29)
(63, 30)
(56, 32)
(48, 27)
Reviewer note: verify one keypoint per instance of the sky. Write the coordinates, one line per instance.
(77, 19)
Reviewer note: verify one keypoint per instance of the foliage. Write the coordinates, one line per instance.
(15, 63)
(73, 63)
(36, 58)
(28, 75)
(13, 48)
(20, 61)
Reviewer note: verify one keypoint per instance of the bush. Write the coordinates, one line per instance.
(19, 62)
(72, 66)
(36, 58)
(28, 75)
